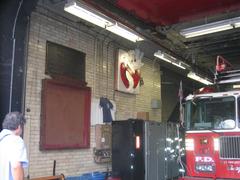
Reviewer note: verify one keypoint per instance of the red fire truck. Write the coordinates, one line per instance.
(212, 122)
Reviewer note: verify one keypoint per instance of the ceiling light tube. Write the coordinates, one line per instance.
(211, 28)
(124, 32)
(86, 13)
(196, 77)
(178, 65)
(160, 55)
(189, 33)
(237, 24)
(170, 59)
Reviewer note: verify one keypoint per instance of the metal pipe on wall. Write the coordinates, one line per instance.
(13, 55)
(14, 15)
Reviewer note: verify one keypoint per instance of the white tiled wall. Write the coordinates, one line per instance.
(99, 76)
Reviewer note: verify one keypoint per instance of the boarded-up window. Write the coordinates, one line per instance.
(64, 61)
(65, 119)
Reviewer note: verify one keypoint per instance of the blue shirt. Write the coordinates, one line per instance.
(12, 150)
(106, 106)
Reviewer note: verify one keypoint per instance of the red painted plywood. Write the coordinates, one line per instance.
(65, 121)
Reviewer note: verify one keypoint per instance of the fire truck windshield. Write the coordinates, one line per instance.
(210, 113)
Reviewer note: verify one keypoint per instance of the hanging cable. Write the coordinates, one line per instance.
(107, 64)
(13, 55)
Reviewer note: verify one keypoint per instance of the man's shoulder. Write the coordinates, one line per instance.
(4, 133)
(13, 140)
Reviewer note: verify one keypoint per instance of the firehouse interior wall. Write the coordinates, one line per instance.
(100, 60)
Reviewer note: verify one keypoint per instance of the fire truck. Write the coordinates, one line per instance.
(212, 124)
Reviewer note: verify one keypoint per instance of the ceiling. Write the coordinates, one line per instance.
(163, 19)
(160, 21)
(168, 12)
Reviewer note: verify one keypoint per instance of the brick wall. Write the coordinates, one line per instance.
(100, 59)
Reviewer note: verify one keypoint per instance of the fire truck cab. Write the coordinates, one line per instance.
(212, 122)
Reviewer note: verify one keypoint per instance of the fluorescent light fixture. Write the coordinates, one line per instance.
(211, 28)
(86, 13)
(170, 59)
(178, 65)
(124, 32)
(160, 55)
(82, 11)
(237, 24)
(193, 32)
(196, 77)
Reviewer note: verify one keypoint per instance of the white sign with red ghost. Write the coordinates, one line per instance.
(128, 71)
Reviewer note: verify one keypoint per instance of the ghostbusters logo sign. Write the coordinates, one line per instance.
(128, 71)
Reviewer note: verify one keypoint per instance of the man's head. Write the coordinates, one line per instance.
(14, 121)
